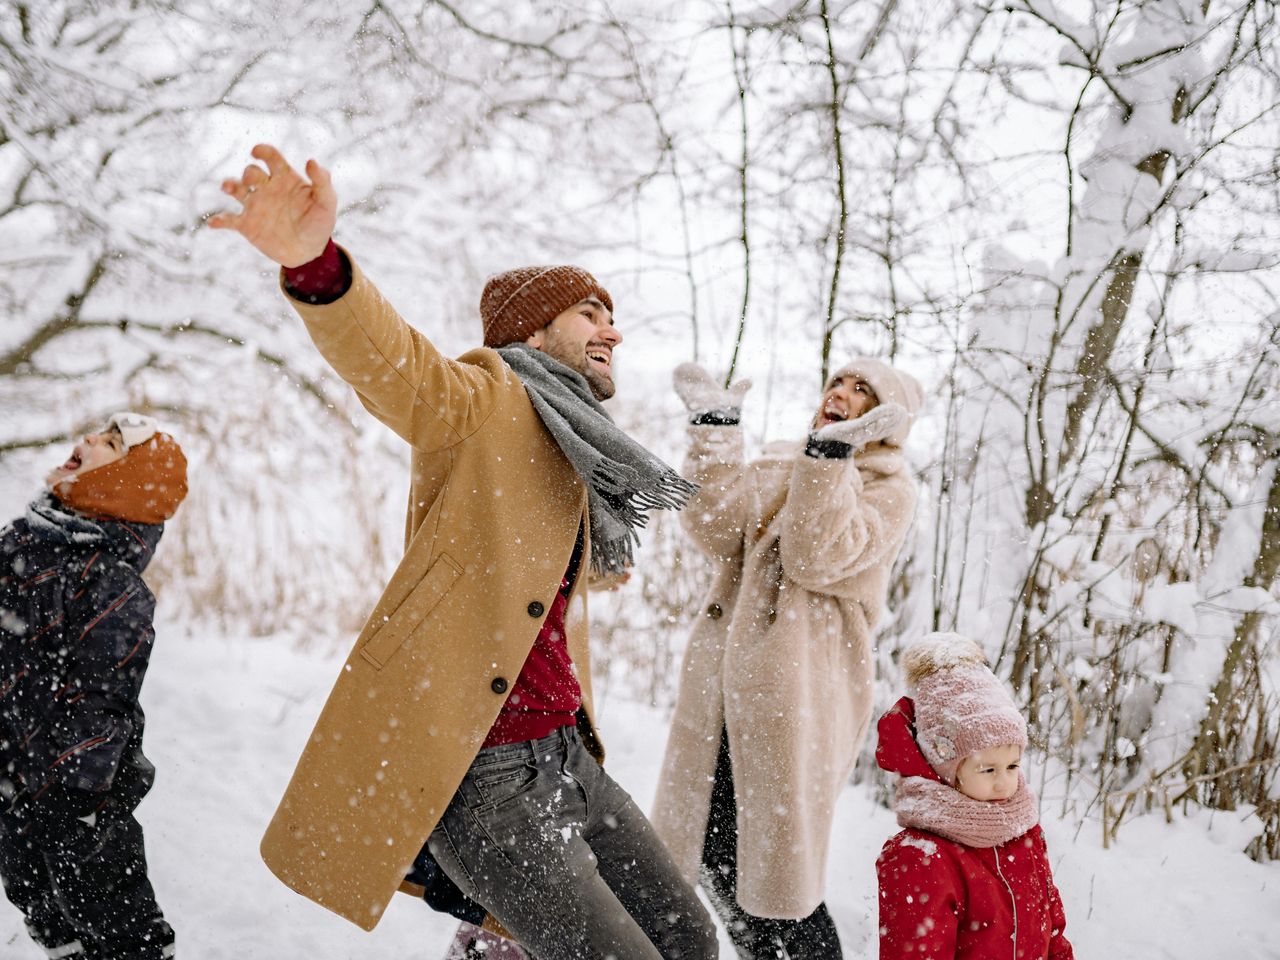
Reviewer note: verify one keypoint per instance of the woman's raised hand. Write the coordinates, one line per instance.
(286, 217)
(702, 394)
(879, 423)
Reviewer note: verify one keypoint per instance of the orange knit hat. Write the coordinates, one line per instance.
(519, 303)
(144, 486)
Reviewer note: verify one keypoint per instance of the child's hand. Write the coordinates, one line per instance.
(53, 809)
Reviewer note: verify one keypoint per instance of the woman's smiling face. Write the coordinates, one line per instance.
(847, 397)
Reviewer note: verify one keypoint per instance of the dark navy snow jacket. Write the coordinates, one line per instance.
(75, 637)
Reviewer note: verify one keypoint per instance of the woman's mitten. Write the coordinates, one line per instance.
(704, 398)
(839, 440)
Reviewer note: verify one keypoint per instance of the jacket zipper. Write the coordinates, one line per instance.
(1012, 900)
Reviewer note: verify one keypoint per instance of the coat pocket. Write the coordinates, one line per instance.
(422, 599)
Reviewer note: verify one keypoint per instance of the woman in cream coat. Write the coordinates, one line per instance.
(775, 693)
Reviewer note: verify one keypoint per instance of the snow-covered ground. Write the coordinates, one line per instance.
(227, 716)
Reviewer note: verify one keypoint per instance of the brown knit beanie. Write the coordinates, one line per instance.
(144, 486)
(519, 303)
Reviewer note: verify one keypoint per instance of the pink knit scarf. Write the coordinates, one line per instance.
(929, 805)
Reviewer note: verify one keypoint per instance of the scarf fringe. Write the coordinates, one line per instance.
(629, 495)
(610, 556)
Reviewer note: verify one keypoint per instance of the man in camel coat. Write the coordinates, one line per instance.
(462, 719)
(775, 692)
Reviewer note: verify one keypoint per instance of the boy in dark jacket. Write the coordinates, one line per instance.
(75, 638)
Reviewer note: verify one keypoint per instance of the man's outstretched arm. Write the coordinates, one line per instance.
(429, 400)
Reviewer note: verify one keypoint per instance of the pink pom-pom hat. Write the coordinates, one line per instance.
(960, 706)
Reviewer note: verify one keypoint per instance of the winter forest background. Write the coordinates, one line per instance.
(1061, 217)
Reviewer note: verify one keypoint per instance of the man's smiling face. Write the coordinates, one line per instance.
(583, 339)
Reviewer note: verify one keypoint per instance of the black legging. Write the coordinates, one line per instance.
(755, 938)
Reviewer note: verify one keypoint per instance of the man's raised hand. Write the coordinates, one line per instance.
(284, 216)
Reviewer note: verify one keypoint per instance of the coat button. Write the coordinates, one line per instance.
(536, 609)
(715, 611)
(498, 684)
(771, 616)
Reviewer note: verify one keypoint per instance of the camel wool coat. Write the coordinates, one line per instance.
(780, 654)
(494, 512)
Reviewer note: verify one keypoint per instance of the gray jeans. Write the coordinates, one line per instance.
(562, 857)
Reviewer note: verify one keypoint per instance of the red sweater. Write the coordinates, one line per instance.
(546, 695)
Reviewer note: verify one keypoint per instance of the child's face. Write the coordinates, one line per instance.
(990, 774)
(95, 450)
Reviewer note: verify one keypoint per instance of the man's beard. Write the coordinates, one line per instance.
(601, 384)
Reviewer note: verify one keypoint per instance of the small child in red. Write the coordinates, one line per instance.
(968, 878)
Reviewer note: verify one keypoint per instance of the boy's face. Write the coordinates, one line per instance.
(990, 774)
(93, 451)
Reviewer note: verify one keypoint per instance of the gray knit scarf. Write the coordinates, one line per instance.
(623, 478)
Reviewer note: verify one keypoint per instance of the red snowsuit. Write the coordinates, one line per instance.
(942, 899)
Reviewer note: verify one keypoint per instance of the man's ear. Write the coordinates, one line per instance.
(535, 339)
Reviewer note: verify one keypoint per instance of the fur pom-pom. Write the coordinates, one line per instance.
(940, 651)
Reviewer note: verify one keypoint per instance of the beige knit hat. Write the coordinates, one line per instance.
(518, 303)
(960, 706)
(890, 386)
